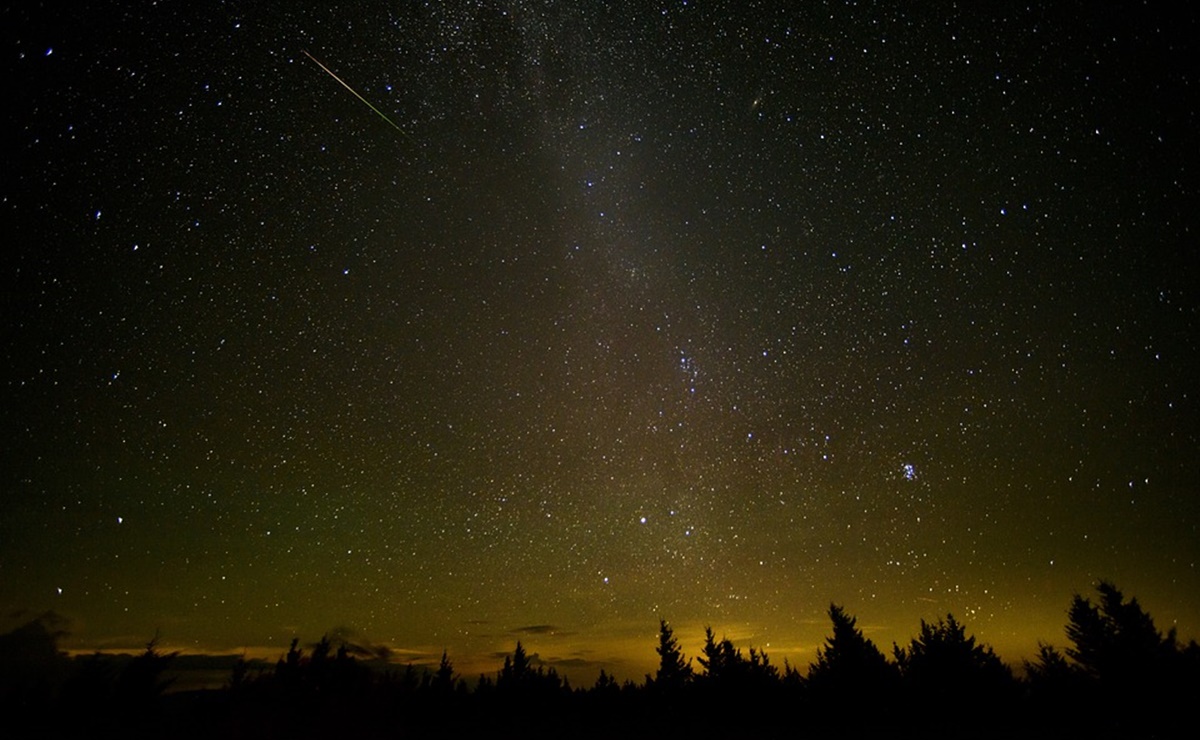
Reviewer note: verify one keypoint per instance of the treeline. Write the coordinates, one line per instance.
(1118, 677)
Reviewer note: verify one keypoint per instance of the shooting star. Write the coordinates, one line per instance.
(355, 93)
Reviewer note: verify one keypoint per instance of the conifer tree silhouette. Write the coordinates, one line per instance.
(727, 669)
(1115, 641)
(950, 677)
(717, 658)
(31, 666)
(1056, 689)
(443, 679)
(141, 680)
(605, 684)
(516, 673)
(287, 669)
(674, 673)
(1131, 665)
(238, 677)
(1119, 676)
(849, 665)
(1050, 667)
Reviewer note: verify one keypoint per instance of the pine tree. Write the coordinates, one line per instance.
(719, 659)
(606, 684)
(1115, 640)
(849, 663)
(443, 679)
(1129, 665)
(943, 663)
(516, 672)
(673, 671)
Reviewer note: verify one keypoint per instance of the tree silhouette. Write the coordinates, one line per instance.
(443, 678)
(950, 676)
(135, 705)
(516, 672)
(1116, 640)
(1134, 667)
(1057, 687)
(674, 673)
(606, 684)
(31, 665)
(141, 680)
(1051, 667)
(1119, 676)
(518, 677)
(759, 668)
(238, 677)
(346, 677)
(485, 686)
(287, 669)
(791, 679)
(87, 694)
(727, 669)
(719, 659)
(850, 665)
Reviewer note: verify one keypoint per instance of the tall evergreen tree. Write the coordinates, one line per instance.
(719, 659)
(849, 663)
(1115, 640)
(516, 671)
(1051, 667)
(945, 665)
(759, 669)
(726, 667)
(443, 679)
(674, 672)
(605, 684)
(1131, 666)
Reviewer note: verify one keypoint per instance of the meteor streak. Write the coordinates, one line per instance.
(354, 92)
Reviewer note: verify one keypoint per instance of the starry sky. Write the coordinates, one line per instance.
(589, 313)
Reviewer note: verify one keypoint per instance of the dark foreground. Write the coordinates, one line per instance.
(1120, 678)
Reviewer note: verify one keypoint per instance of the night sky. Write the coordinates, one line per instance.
(590, 313)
